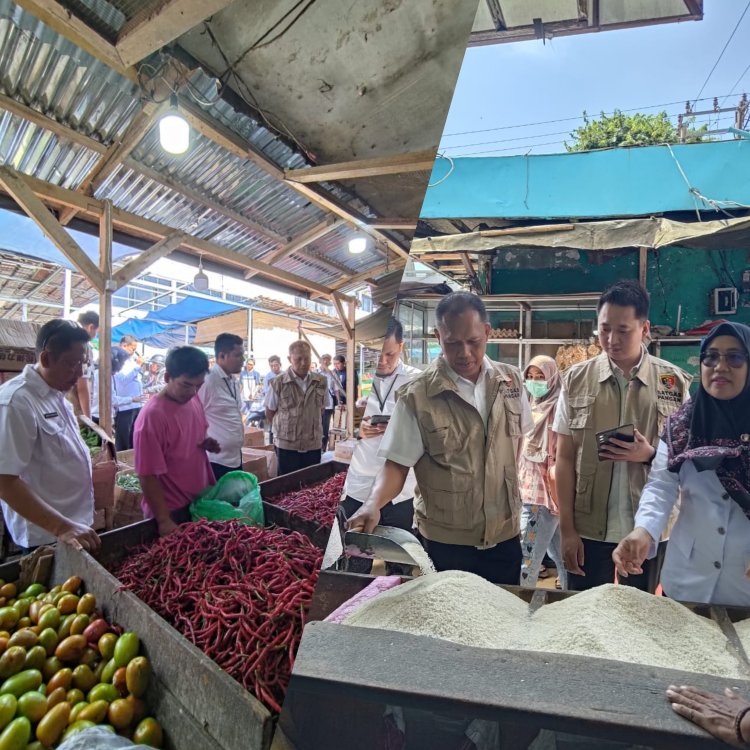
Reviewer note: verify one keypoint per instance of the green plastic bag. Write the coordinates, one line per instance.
(235, 495)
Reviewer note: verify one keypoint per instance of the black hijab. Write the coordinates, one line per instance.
(713, 433)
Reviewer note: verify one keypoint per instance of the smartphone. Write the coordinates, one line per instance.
(377, 419)
(625, 432)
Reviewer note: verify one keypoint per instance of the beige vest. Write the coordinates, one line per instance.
(297, 424)
(657, 390)
(468, 489)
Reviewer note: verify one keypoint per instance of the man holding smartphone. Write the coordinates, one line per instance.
(624, 391)
(390, 375)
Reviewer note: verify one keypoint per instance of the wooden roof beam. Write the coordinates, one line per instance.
(303, 240)
(388, 223)
(140, 227)
(160, 23)
(18, 188)
(144, 259)
(416, 161)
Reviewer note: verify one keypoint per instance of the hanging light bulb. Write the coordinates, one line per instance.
(357, 245)
(174, 131)
(200, 282)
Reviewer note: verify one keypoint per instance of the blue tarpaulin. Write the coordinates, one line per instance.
(166, 327)
(636, 181)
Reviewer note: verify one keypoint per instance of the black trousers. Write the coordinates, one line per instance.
(600, 569)
(219, 470)
(124, 423)
(327, 414)
(294, 460)
(400, 516)
(499, 564)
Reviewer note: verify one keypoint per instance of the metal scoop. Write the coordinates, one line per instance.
(385, 543)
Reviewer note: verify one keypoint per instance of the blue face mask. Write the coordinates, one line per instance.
(537, 388)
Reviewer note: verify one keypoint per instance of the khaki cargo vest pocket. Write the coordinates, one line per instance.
(664, 409)
(513, 416)
(580, 408)
(448, 502)
(514, 494)
(441, 441)
(584, 492)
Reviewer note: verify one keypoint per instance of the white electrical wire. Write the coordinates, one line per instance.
(444, 177)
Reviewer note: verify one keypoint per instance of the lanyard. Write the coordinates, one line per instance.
(382, 401)
(231, 388)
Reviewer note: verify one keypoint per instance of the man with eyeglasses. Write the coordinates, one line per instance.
(599, 486)
(45, 467)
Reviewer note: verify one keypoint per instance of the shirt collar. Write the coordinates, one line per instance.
(217, 369)
(456, 378)
(608, 368)
(38, 384)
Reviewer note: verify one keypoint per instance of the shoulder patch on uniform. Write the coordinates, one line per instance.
(668, 380)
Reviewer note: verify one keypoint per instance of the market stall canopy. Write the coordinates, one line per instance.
(504, 21)
(654, 232)
(635, 181)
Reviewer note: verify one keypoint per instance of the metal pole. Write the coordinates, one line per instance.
(105, 320)
(66, 293)
(24, 311)
(351, 396)
(250, 344)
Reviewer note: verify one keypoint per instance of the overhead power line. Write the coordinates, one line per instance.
(721, 54)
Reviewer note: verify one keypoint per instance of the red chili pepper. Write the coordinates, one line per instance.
(317, 503)
(237, 592)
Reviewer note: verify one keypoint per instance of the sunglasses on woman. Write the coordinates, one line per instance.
(734, 359)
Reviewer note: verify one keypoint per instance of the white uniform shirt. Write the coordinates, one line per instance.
(221, 396)
(128, 383)
(402, 441)
(709, 545)
(366, 463)
(272, 400)
(619, 504)
(40, 442)
(117, 401)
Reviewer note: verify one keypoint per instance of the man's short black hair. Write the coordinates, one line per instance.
(395, 330)
(274, 358)
(340, 358)
(225, 343)
(89, 318)
(457, 302)
(627, 293)
(58, 336)
(127, 339)
(186, 360)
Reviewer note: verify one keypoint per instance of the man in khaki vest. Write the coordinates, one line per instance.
(294, 405)
(599, 488)
(458, 425)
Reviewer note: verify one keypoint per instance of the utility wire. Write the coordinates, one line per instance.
(721, 54)
(737, 83)
(571, 119)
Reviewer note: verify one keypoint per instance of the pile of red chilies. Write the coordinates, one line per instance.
(238, 592)
(316, 503)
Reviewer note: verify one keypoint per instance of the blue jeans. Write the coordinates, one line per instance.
(540, 533)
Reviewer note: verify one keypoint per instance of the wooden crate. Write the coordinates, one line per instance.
(198, 704)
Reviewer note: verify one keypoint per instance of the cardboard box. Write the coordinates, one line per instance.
(126, 458)
(252, 463)
(268, 456)
(254, 437)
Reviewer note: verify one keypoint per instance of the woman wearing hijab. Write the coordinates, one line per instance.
(704, 460)
(540, 522)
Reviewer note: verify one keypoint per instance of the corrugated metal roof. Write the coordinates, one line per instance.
(54, 77)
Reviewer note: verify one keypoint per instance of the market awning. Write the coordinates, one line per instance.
(369, 330)
(653, 232)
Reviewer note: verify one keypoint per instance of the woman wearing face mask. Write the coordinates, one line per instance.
(704, 459)
(539, 520)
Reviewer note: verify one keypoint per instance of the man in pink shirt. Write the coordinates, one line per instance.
(170, 442)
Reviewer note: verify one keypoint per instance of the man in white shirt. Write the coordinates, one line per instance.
(221, 397)
(294, 405)
(458, 424)
(45, 467)
(333, 388)
(83, 394)
(128, 384)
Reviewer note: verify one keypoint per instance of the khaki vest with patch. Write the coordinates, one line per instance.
(297, 423)
(657, 390)
(467, 481)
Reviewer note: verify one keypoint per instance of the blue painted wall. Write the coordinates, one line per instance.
(615, 182)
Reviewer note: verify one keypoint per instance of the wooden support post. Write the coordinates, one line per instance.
(305, 337)
(343, 316)
(351, 396)
(642, 265)
(105, 320)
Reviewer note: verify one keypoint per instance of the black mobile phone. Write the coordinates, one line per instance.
(625, 432)
(377, 419)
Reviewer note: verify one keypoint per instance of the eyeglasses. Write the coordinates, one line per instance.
(735, 360)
